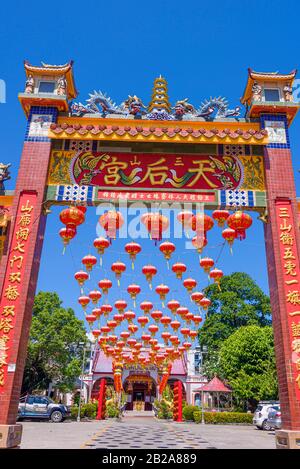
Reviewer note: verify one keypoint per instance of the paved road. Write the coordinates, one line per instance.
(142, 432)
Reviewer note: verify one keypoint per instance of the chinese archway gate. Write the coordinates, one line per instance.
(100, 151)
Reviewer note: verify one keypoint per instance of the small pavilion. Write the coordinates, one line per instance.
(215, 394)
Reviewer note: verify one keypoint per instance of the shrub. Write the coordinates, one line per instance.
(74, 412)
(112, 410)
(223, 417)
(188, 412)
(90, 410)
(164, 409)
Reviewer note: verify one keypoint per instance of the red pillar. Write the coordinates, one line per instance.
(101, 400)
(31, 181)
(281, 193)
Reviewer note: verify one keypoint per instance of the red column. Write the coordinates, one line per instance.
(31, 181)
(101, 399)
(281, 188)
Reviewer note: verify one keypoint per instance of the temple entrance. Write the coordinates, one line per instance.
(140, 391)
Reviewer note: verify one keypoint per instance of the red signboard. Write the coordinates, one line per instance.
(291, 278)
(163, 171)
(157, 196)
(12, 284)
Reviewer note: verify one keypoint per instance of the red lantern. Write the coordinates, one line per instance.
(90, 318)
(165, 320)
(179, 268)
(142, 320)
(101, 244)
(112, 324)
(197, 319)
(97, 312)
(129, 316)
(201, 223)
(146, 338)
(89, 262)
(205, 303)
(96, 333)
(146, 306)
(207, 263)
(153, 329)
(95, 296)
(111, 221)
(162, 291)
(132, 328)
(187, 345)
(156, 315)
(182, 311)
(125, 335)
(67, 234)
(216, 274)
(173, 305)
(196, 297)
(229, 235)
(133, 291)
(175, 325)
(156, 224)
(240, 222)
(220, 216)
(120, 305)
(166, 336)
(189, 284)
(149, 271)
(81, 277)
(84, 301)
(199, 242)
(105, 285)
(167, 248)
(119, 317)
(132, 249)
(106, 309)
(188, 317)
(185, 218)
(185, 331)
(118, 268)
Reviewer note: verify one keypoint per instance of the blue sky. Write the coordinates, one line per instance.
(202, 48)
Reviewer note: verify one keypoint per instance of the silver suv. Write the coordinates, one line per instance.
(260, 419)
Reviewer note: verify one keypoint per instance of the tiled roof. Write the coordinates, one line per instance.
(215, 385)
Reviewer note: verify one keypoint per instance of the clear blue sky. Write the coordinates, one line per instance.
(202, 48)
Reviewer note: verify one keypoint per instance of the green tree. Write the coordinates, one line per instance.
(247, 361)
(240, 302)
(54, 353)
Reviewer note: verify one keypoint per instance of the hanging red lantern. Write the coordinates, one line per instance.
(155, 224)
(146, 306)
(125, 335)
(189, 284)
(143, 320)
(111, 221)
(101, 244)
(173, 305)
(205, 303)
(162, 291)
(197, 319)
(175, 325)
(229, 235)
(96, 333)
(185, 331)
(201, 223)
(84, 301)
(149, 271)
(95, 296)
(165, 320)
(216, 275)
(153, 329)
(156, 315)
(220, 216)
(240, 222)
(199, 242)
(97, 312)
(118, 268)
(81, 277)
(207, 263)
(187, 345)
(167, 248)
(185, 218)
(67, 234)
(89, 262)
(132, 328)
(182, 311)
(105, 285)
(106, 309)
(145, 338)
(133, 249)
(166, 336)
(118, 317)
(188, 317)
(179, 268)
(90, 318)
(120, 305)
(196, 297)
(112, 324)
(133, 291)
(129, 316)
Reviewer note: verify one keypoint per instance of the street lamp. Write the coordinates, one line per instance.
(204, 350)
(85, 348)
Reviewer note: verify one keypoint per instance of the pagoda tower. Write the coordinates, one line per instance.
(160, 99)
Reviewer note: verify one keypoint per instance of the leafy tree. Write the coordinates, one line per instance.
(240, 302)
(247, 361)
(54, 353)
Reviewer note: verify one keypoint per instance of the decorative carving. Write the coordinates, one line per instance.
(4, 174)
(134, 105)
(288, 93)
(219, 106)
(256, 91)
(62, 86)
(29, 84)
(183, 107)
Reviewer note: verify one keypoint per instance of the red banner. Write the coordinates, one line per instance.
(148, 170)
(291, 278)
(12, 285)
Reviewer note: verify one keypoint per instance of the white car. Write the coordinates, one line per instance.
(260, 419)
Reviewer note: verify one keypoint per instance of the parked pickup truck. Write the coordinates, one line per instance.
(41, 407)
